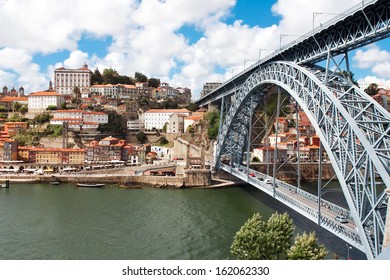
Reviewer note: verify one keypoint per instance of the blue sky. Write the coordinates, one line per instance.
(183, 42)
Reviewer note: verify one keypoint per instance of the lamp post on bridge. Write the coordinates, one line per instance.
(315, 14)
(285, 35)
(348, 248)
(245, 60)
(260, 50)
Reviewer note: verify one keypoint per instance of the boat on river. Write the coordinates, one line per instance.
(90, 185)
(54, 182)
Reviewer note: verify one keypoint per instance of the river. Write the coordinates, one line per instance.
(42, 221)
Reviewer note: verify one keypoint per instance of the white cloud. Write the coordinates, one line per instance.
(370, 57)
(145, 37)
(373, 79)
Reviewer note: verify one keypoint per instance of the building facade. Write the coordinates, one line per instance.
(39, 101)
(65, 80)
(156, 118)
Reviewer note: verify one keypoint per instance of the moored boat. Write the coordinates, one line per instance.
(90, 185)
(55, 182)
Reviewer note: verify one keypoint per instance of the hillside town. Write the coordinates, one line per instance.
(83, 110)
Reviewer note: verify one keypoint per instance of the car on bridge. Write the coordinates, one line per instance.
(341, 219)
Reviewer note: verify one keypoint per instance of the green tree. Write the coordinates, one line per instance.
(141, 137)
(163, 140)
(306, 248)
(54, 130)
(372, 89)
(258, 240)
(24, 109)
(164, 129)
(2, 109)
(97, 78)
(140, 78)
(16, 106)
(255, 159)
(212, 118)
(51, 107)
(280, 230)
(192, 107)
(15, 117)
(110, 76)
(153, 82)
(42, 118)
(248, 243)
(63, 106)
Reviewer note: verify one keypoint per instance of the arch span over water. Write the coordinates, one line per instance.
(353, 128)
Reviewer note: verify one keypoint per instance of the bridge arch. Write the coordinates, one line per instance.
(352, 127)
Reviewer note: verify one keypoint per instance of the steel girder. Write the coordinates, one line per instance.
(353, 129)
(355, 28)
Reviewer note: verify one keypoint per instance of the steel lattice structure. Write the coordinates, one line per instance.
(354, 131)
(353, 128)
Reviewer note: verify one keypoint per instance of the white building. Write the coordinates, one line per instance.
(39, 101)
(176, 123)
(156, 118)
(79, 119)
(65, 80)
(98, 117)
(135, 125)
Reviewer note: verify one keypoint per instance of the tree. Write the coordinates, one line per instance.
(24, 109)
(110, 76)
(63, 106)
(140, 78)
(258, 240)
(213, 124)
(281, 229)
(97, 78)
(16, 106)
(306, 248)
(372, 89)
(153, 82)
(42, 118)
(141, 137)
(192, 107)
(51, 107)
(255, 159)
(163, 140)
(248, 242)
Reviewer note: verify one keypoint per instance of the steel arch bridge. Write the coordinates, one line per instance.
(353, 128)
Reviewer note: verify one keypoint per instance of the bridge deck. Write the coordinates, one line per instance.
(302, 202)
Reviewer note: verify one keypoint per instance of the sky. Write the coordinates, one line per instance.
(183, 42)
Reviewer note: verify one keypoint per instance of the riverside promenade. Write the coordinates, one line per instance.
(122, 178)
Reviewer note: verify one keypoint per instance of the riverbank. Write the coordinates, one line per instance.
(122, 180)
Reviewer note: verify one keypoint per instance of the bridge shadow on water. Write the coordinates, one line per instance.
(333, 244)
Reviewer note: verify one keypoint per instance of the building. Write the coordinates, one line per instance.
(79, 119)
(39, 101)
(106, 150)
(8, 101)
(10, 148)
(65, 80)
(157, 118)
(13, 128)
(176, 123)
(209, 87)
(135, 125)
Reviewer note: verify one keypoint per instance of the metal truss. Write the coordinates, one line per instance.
(357, 27)
(353, 129)
(353, 29)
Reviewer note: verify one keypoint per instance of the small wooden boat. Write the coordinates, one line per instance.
(90, 185)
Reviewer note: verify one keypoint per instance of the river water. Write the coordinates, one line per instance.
(41, 221)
